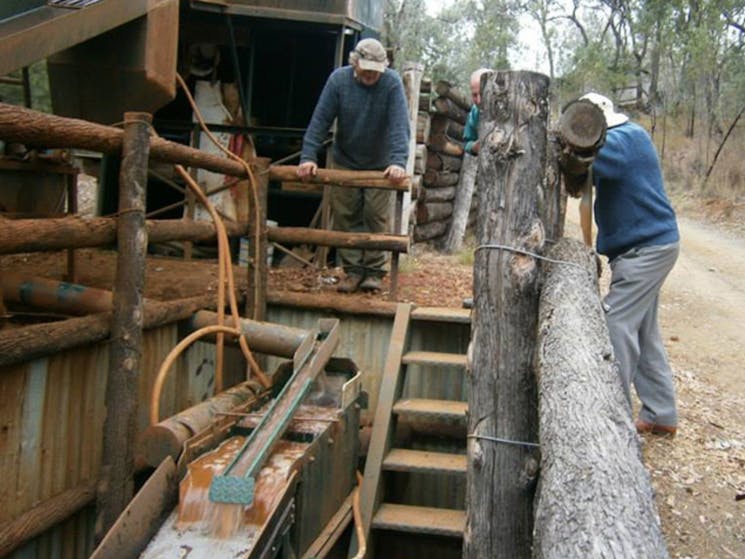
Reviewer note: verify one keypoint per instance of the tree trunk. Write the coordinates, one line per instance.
(439, 179)
(444, 194)
(445, 106)
(462, 207)
(429, 231)
(502, 393)
(457, 96)
(594, 500)
(120, 426)
(256, 270)
(434, 211)
(442, 162)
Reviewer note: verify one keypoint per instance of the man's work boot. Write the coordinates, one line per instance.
(350, 283)
(371, 283)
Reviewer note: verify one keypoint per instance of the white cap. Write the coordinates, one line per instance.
(372, 55)
(612, 118)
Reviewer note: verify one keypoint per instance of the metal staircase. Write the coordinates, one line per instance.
(378, 506)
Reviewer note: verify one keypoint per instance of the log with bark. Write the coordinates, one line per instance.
(441, 143)
(445, 194)
(462, 207)
(439, 179)
(594, 497)
(427, 212)
(456, 131)
(444, 106)
(430, 231)
(439, 124)
(422, 127)
(425, 102)
(442, 162)
(420, 159)
(456, 95)
(502, 392)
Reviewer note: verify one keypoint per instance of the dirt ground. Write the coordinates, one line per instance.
(698, 475)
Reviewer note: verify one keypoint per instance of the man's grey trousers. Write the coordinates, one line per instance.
(631, 313)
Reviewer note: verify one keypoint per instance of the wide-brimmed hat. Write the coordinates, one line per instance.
(372, 55)
(612, 118)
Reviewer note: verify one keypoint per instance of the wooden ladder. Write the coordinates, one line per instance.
(376, 513)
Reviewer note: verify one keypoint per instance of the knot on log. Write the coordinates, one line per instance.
(522, 266)
(529, 473)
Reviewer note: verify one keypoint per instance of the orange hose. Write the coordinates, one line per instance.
(160, 378)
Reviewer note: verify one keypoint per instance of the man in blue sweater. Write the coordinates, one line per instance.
(638, 232)
(372, 133)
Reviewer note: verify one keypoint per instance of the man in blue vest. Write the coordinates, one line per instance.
(367, 100)
(638, 232)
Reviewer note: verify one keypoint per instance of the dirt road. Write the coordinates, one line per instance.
(697, 475)
(703, 306)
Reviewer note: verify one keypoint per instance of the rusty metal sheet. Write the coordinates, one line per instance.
(38, 33)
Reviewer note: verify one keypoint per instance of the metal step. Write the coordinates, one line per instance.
(434, 358)
(424, 461)
(431, 409)
(420, 520)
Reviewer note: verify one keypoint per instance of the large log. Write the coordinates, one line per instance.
(439, 179)
(462, 207)
(444, 106)
(427, 212)
(502, 392)
(442, 162)
(444, 194)
(33, 235)
(594, 497)
(31, 342)
(422, 127)
(456, 95)
(443, 144)
(430, 231)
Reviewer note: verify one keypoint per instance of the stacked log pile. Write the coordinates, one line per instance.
(440, 134)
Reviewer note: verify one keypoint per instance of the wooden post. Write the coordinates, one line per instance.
(257, 265)
(502, 419)
(462, 208)
(120, 427)
(412, 78)
(607, 509)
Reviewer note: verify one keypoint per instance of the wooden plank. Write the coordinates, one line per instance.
(424, 461)
(442, 314)
(421, 520)
(434, 358)
(431, 409)
(390, 388)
